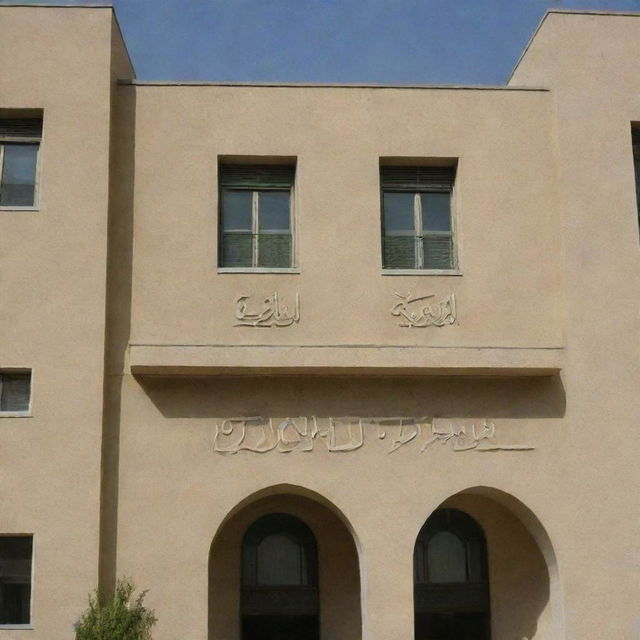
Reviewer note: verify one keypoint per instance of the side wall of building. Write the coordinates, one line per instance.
(590, 62)
(52, 293)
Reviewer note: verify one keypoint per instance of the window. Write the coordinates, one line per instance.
(451, 590)
(256, 217)
(279, 597)
(417, 224)
(15, 579)
(19, 149)
(15, 391)
(635, 141)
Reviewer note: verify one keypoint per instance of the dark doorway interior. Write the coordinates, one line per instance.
(279, 599)
(451, 589)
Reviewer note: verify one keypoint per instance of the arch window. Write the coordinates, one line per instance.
(279, 599)
(451, 589)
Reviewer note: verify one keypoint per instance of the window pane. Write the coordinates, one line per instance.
(237, 250)
(399, 252)
(398, 211)
(236, 210)
(447, 558)
(16, 391)
(273, 211)
(438, 252)
(17, 187)
(436, 211)
(274, 250)
(281, 561)
(15, 579)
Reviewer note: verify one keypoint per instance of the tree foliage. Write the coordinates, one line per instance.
(121, 618)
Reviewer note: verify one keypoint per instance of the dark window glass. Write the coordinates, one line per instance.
(15, 391)
(273, 211)
(398, 212)
(236, 207)
(635, 141)
(436, 211)
(18, 181)
(416, 217)
(15, 579)
(255, 212)
(451, 590)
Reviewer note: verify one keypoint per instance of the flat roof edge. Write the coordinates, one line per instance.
(327, 85)
(57, 5)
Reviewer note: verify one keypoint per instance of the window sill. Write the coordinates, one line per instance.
(15, 414)
(25, 627)
(257, 270)
(421, 272)
(19, 209)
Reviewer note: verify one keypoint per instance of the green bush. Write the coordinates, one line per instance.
(119, 619)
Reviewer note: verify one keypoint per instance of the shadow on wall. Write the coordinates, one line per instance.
(523, 582)
(533, 397)
(339, 574)
(118, 320)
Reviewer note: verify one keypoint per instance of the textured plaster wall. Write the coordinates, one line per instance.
(590, 64)
(52, 304)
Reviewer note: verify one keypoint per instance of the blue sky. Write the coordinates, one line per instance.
(376, 41)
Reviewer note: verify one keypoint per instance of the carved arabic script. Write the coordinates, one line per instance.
(416, 312)
(260, 435)
(271, 314)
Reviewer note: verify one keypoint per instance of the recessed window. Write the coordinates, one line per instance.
(15, 391)
(635, 141)
(256, 217)
(417, 225)
(19, 150)
(15, 579)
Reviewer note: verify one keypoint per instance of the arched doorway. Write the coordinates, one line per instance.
(279, 593)
(276, 522)
(451, 588)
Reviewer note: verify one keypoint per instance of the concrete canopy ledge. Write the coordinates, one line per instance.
(191, 360)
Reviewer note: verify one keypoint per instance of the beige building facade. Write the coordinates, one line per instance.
(337, 362)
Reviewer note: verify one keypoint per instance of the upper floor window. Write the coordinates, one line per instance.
(19, 149)
(15, 579)
(15, 391)
(256, 218)
(417, 225)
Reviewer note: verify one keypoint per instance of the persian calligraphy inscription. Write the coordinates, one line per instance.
(424, 311)
(271, 312)
(343, 434)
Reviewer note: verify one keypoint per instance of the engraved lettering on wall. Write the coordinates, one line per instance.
(424, 311)
(270, 311)
(347, 433)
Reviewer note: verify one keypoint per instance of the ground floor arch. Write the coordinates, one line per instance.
(253, 561)
(520, 597)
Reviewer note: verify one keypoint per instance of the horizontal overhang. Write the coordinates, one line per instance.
(191, 360)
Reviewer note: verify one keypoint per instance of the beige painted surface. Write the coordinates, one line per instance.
(119, 474)
(52, 304)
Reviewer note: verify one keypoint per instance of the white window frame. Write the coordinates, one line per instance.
(27, 625)
(418, 233)
(27, 413)
(36, 191)
(255, 226)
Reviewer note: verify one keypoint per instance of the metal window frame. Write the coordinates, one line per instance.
(7, 371)
(28, 625)
(255, 231)
(419, 234)
(36, 187)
